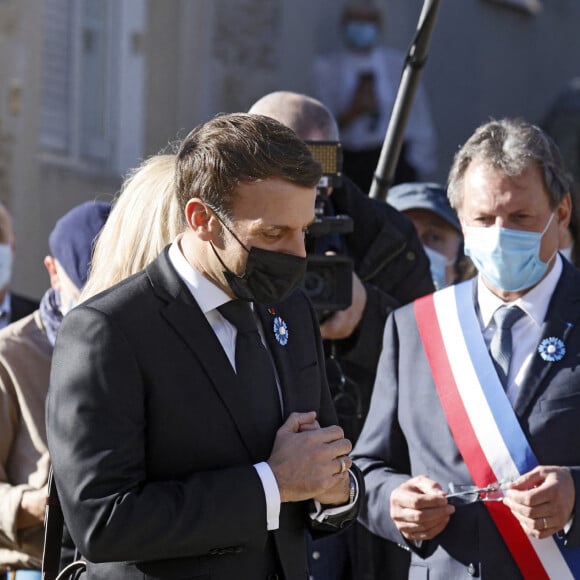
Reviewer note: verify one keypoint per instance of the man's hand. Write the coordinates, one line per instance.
(32, 507)
(343, 322)
(307, 460)
(542, 500)
(419, 509)
(338, 494)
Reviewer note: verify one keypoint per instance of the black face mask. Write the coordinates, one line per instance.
(269, 277)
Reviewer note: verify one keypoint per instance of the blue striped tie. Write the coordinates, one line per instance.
(500, 347)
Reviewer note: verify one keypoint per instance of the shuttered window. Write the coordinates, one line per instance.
(84, 63)
(56, 75)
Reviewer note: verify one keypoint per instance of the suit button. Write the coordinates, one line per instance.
(471, 570)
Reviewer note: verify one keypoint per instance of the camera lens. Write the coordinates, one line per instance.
(314, 284)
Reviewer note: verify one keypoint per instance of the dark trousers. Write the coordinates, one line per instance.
(356, 554)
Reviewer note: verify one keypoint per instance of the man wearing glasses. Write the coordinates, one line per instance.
(469, 450)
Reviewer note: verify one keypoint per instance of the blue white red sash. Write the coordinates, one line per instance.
(483, 423)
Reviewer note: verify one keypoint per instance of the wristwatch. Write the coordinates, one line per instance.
(352, 487)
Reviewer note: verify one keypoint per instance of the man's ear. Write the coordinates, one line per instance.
(50, 265)
(201, 219)
(564, 211)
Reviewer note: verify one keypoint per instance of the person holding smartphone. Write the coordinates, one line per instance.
(359, 85)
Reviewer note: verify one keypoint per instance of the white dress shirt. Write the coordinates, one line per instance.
(527, 330)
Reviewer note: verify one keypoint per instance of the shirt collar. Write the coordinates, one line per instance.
(534, 303)
(206, 293)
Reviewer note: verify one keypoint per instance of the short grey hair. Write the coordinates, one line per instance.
(510, 145)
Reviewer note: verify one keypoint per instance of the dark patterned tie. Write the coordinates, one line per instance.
(255, 372)
(500, 347)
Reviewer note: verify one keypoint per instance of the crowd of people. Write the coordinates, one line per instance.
(202, 417)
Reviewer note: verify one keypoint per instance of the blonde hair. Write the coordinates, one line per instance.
(144, 219)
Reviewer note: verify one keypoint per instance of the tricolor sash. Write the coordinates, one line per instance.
(483, 422)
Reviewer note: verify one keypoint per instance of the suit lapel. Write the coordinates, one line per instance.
(297, 392)
(280, 355)
(562, 316)
(186, 318)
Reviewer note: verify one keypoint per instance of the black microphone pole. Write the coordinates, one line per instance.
(416, 58)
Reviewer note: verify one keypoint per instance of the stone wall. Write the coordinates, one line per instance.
(244, 49)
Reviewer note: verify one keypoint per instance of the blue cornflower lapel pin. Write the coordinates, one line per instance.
(552, 349)
(280, 328)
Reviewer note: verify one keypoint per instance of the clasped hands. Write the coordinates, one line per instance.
(311, 462)
(542, 500)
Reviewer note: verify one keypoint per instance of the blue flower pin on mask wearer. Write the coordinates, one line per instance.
(552, 349)
(280, 328)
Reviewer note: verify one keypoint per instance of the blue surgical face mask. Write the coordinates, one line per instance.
(361, 34)
(508, 259)
(438, 264)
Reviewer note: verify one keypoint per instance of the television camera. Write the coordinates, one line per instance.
(328, 279)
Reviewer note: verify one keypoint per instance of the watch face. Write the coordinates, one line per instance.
(352, 489)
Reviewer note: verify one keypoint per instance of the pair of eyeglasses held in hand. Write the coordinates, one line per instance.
(460, 494)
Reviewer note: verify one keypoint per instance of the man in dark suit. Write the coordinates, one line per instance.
(12, 306)
(172, 458)
(468, 453)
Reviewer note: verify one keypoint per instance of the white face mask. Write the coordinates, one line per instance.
(438, 263)
(5, 264)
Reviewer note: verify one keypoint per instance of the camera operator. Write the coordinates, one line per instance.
(390, 268)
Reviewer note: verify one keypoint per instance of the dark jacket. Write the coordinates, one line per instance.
(390, 261)
(21, 306)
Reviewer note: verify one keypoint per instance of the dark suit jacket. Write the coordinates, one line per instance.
(151, 444)
(21, 306)
(406, 434)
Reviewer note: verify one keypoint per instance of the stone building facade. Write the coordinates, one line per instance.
(88, 88)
